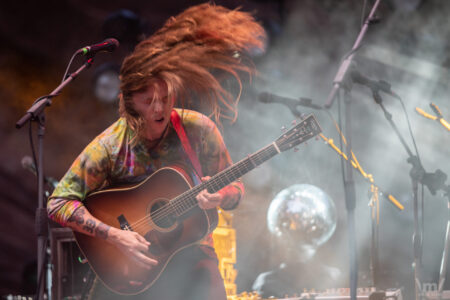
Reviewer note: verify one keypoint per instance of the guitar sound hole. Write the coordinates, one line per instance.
(161, 216)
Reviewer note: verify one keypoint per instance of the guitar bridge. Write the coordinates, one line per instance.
(124, 225)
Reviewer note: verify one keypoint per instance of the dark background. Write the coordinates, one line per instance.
(307, 39)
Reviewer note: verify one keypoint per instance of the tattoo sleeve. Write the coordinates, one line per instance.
(90, 226)
(78, 216)
(102, 231)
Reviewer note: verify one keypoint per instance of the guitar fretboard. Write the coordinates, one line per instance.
(186, 201)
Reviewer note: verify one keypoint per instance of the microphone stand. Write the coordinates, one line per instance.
(433, 181)
(339, 83)
(37, 113)
(443, 268)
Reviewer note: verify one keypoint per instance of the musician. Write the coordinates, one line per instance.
(181, 63)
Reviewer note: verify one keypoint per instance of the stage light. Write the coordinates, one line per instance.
(107, 83)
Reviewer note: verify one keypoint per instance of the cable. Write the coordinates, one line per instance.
(33, 151)
(410, 130)
(363, 13)
(68, 66)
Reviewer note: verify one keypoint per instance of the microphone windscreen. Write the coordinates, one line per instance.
(264, 97)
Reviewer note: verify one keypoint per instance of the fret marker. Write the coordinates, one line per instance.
(276, 147)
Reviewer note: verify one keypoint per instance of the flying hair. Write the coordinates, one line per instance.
(192, 53)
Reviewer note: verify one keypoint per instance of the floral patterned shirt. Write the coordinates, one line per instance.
(112, 159)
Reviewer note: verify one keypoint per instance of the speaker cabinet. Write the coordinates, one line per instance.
(71, 275)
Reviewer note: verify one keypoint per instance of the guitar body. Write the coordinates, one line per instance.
(142, 208)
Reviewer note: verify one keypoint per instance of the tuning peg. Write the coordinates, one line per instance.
(294, 122)
(283, 128)
(296, 149)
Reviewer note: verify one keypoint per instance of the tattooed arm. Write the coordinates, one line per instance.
(73, 214)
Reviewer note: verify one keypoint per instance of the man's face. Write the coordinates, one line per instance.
(155, 110)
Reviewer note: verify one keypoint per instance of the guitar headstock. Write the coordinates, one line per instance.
(303, 131)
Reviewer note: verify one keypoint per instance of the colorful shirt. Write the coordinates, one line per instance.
(113, 159)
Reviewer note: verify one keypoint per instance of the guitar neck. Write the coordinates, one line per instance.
(186, 201)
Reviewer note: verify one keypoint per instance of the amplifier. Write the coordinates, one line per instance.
(435, 295)
(70, 276)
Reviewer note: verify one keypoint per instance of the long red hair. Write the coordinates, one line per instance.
(191, 53)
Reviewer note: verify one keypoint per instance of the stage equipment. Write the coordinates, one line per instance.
(28, 164)
(36, 113)
(340, 82)
(108, 45)
(331, 294)
(289, 102)
(72, 277)
(107, 82)
(438, 115)
(304, 217)
(374, 85)
(375, 190)
(433, 181)
(224, 237)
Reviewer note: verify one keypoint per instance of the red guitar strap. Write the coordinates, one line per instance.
(176, 122)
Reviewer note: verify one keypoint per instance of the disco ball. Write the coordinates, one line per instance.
(302, 216)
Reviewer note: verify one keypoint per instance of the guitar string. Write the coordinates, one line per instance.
(215, 182)
(164, 211)
(241, 168)
(142, 223)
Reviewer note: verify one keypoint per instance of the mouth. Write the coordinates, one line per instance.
(160, 120)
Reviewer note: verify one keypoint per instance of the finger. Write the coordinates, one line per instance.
(209, 202)
(206, 178)
(201, 200)
(141, 239)
(212, 198)
(205, 202)
(145, 260)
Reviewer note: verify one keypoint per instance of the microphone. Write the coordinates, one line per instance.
(375, 86)
(290, 102)
(108, 45)
(28, 164)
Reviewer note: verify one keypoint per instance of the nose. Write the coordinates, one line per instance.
(158, 106)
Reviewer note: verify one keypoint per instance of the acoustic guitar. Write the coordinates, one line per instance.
(164, 210)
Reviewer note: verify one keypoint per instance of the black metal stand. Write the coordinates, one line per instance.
(37, 113)
(374, 269)
(339, 83)
(443, 268)
(417, 172)
(433, 181)
(350, 197)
